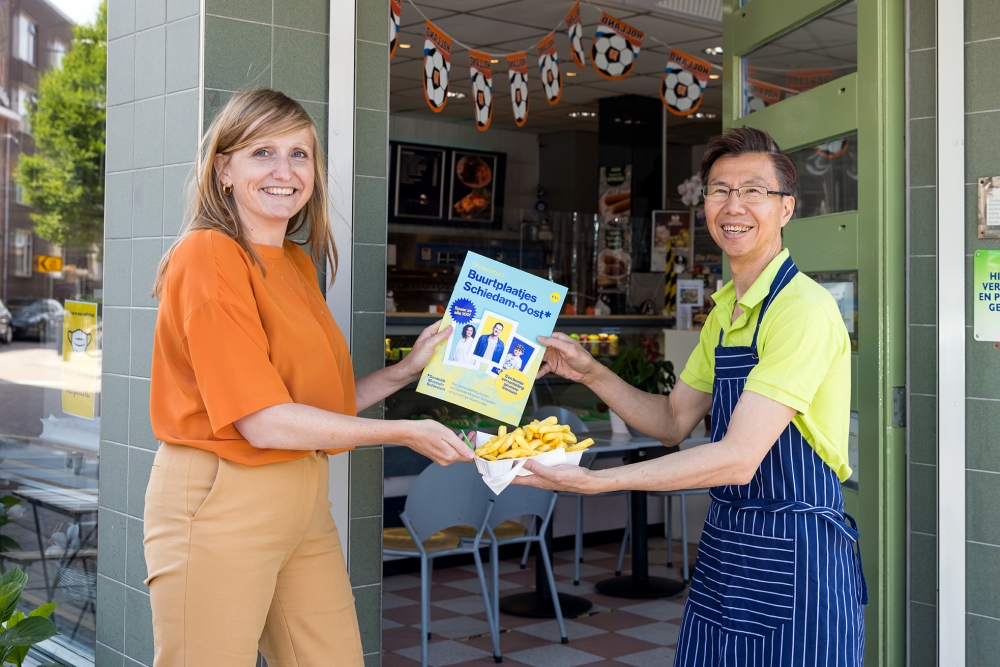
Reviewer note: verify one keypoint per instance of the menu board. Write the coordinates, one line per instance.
(438, 185)
(419, 179)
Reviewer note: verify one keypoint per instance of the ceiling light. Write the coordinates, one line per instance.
(710, 116)
(457, 96)
(404, 46)
(699, 115)
(713, 76)
(714, 50)
(582, 114)
(494, 61)
(570, 73)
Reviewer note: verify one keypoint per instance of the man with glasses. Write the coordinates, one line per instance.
(778, 579)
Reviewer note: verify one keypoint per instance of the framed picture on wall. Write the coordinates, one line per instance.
(419, 181)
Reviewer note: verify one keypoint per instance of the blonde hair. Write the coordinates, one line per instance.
(275, 115)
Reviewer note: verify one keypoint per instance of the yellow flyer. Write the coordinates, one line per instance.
(489, 362)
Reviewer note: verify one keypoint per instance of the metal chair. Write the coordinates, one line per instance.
(578, 426)
(669, 496)
(443, 497)
(521, 501)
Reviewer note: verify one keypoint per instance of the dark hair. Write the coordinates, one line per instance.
(498, 323)
(745, 140)
(466, 328)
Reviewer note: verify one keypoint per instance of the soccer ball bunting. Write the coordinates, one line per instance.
(615, 48)
(574, 27)
(614, 51)
(517, 73)
(481, 71)
(548, 68)
(683, 84)
(437, 67)
(395, 9)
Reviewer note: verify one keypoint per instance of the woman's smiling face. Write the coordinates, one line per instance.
(272, 179)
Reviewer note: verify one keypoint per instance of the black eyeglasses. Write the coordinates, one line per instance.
(749, 193)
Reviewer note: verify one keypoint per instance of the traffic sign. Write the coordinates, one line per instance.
(48, 264)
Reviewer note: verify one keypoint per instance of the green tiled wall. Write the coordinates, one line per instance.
(922, 354)
(152, 142)
(152, 137)
(982, 105)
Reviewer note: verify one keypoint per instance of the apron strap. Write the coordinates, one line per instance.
(839, 522)
(784, 276)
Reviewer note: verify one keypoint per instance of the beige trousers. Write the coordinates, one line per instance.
(242, 559)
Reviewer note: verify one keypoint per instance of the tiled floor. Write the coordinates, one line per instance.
(616, 632)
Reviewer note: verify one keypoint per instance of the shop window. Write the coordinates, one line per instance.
(49, 437)
(822, 50)
(26, 32)
(23, 244)
(828, 177)
(19, 194)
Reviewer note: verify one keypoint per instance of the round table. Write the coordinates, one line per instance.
(639, 584)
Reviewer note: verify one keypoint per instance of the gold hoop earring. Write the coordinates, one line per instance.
(227, 190)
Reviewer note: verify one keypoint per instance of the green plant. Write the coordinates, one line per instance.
(18, 633)
(643, 368)
(10, 508)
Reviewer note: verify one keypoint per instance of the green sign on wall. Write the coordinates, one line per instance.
(986, 295)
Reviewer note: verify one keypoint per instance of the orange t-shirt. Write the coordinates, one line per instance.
(232, 339)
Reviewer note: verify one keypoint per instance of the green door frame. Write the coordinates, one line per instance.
(871, 241)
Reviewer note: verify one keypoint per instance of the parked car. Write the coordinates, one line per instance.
(6, 329)
(36, 318)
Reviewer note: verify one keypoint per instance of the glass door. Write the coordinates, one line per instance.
(825, 78)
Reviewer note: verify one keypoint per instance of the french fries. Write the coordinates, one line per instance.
(531, 439)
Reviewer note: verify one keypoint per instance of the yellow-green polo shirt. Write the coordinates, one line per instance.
(804, 351)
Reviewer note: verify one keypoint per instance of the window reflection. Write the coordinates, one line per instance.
(822, 50)
(50, 393)
(828, 178)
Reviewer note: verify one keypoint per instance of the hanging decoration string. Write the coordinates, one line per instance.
(534, 46)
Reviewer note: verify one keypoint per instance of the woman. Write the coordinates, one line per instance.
(778, 580)
(464, 347)
(252, 388)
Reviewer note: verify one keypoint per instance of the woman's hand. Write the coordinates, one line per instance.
(566, 358)
(558, 478)
(436, 441)
(423, 349)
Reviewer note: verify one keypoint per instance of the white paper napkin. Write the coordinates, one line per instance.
(499, 474)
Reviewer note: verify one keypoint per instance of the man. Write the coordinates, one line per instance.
(778, 580)
(490, 347)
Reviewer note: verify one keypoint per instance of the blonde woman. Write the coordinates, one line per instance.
(252, 389)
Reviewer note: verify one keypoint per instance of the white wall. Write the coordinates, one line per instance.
(520, 146)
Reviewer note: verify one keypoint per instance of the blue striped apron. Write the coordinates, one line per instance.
(778, 581)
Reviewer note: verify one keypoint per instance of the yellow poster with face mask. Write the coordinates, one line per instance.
(81, 359)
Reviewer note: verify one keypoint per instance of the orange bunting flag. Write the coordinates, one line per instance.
(615, 48)
(481, 71)
(548, 67)
(437, 67)
(761, 95)
(574, 26)
(517, 72)
(683, 84)
(395, 9)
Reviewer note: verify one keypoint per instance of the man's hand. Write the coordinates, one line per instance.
(558, 478)
(566, 358)
(423, 349)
